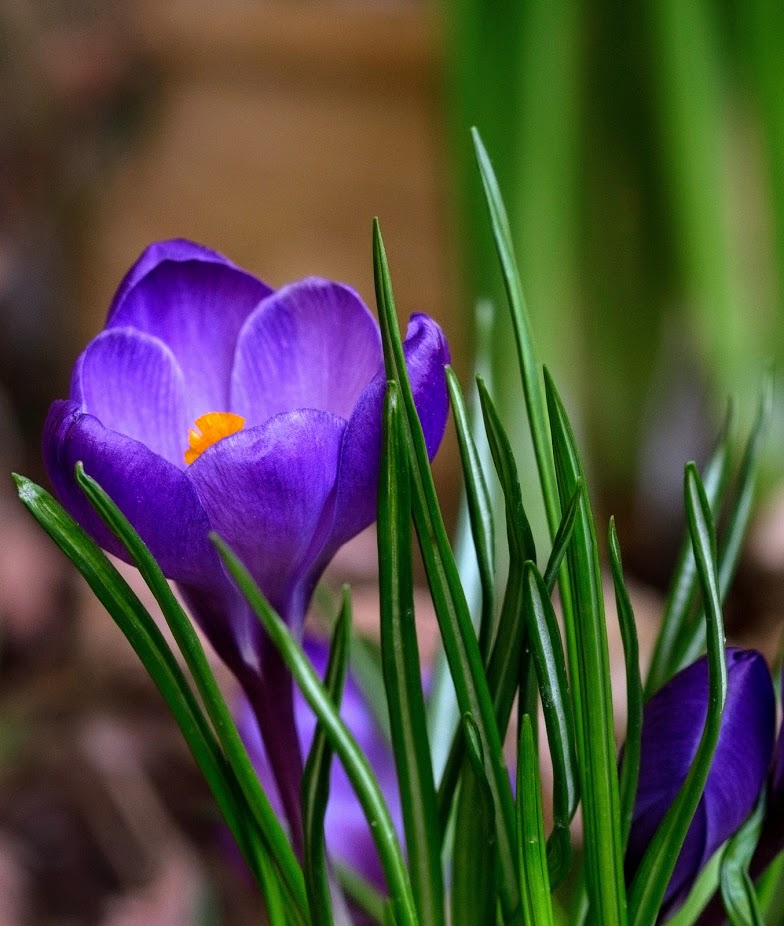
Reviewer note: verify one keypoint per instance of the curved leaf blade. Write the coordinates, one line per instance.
(630, 764)
(315, 777)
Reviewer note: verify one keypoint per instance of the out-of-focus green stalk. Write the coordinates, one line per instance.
(513, 71)
(764, 21)
(689, 80)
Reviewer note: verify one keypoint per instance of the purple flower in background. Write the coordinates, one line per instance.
(672, 726)
(210, 402)
(348, 835)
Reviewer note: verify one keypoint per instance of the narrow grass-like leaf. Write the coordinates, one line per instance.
(737, 889)
(402, 671)
(532, 857)
(532, 385)
(474, 894)
(503, 676)
(149, 644)
(770, 891)
(692, 639)
(457, 631)
(366, 670)
(443, 713)
(550, 665)
(702, 893)
(361, 892)
(272, 890)
(190, 646)
(315, 778)
(503, 670)
(534, 398)
(364, 658)
(480, 509)
(562, 539)
(342, 741)
(683, 587)
(590, 685)
(658, 863)
(518, 531)
(630, 764)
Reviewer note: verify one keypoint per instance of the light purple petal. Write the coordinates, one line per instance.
(268, 492)
(426, 354)
(348, 836)
(155, 496)
(672, 726)
(132, 384)
(314, 344)
(196, 302)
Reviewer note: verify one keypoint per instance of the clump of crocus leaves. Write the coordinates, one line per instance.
(231, 438)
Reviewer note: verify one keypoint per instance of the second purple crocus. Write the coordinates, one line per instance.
(348, 836)
(672, 726)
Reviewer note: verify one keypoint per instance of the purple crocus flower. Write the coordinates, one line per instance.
(348, 835)
(210, 402)
(673, 721)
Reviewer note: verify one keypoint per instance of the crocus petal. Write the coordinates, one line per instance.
(268, 492)
(348, 835)
(196, 302)
(132, 384)
(314, 344)
(155, 496)
(426, 354)
(672, 726)
(777, 778)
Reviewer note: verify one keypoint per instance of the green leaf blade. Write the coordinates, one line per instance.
(534, 879)
(691, 641)
(480, 509)
(737, 890)
(630, 766)
(590, 675)
(683, 588)
(147, 641)
(460, 643)
(315, 778)
(550, 666)
(402, 672)
(532, 385)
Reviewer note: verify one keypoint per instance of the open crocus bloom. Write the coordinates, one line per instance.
(348, 836)
(673, 721)
(210, 402)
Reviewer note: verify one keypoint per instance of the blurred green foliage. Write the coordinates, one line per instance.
(640, 150)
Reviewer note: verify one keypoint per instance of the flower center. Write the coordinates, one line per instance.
(209, 429)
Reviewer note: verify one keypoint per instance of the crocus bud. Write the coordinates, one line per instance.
(673, 721)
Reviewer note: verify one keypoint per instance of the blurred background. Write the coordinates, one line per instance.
(640, 149)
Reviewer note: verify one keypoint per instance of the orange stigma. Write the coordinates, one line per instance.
(211, 428)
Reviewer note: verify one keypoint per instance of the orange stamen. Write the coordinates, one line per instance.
(211, 428)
